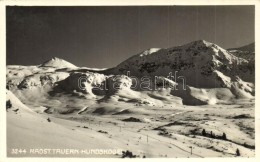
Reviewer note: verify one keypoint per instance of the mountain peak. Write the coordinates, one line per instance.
(57, 63)
(56, 58)
(200, 43)
(149, 51)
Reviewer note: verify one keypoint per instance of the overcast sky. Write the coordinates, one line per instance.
(105, 36)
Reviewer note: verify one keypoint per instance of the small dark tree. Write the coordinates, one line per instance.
(238, 152)
(8, 104)
(211, 134)
(204, 132)
(128, 154)
(49, 120)
(224, 137)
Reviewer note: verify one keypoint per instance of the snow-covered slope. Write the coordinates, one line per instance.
(13, 103)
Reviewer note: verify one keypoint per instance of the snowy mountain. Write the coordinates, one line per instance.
(250, 48)
(57, 63)
(203, 64)
(194, 68)
(247, 52)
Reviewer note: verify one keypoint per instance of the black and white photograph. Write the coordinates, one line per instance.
(137, 81)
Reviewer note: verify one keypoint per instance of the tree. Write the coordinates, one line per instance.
(128, 154)
(204, 132)
(238, 152)
(224, 137)
(8, 104)
(245, 144)
(212, 135)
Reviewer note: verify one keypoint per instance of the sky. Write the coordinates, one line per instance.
(103, 37)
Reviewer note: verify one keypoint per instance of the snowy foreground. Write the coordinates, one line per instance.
(171, 131)
(49, 115)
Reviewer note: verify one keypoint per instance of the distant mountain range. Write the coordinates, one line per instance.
(199, 65)
(250, 48)
(247, 52)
